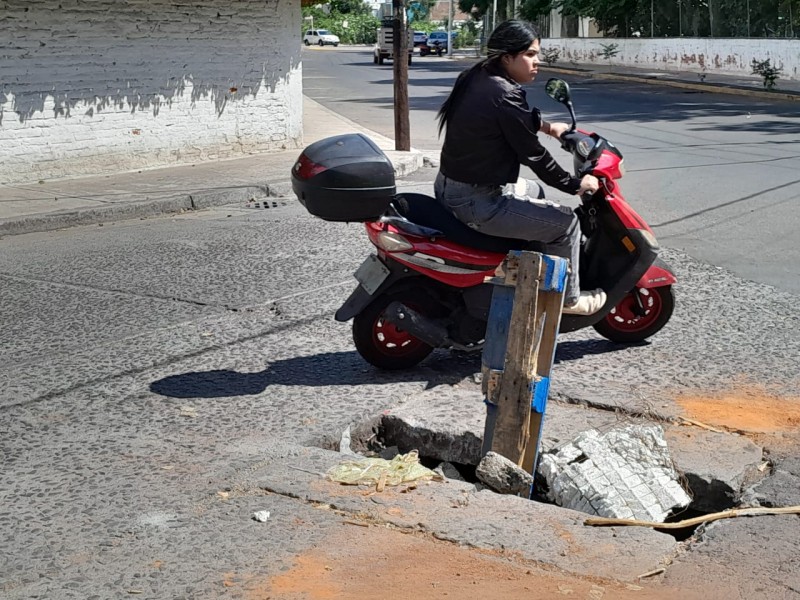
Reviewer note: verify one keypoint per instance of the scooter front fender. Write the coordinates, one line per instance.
(658, 274)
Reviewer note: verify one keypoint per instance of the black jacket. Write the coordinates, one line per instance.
(491, 131)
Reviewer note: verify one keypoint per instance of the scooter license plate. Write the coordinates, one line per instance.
(371, 274)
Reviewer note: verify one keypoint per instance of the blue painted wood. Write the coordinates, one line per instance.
(555, 275)
(494, 350)
(539, 389)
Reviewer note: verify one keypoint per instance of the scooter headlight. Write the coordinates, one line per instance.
(393, 242)
(621, 168)
(649, 238)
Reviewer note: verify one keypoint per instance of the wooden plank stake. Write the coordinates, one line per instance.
(519, 351)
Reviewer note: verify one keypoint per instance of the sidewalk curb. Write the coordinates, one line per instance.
(719, 88)
(403, 162)
(177, 203)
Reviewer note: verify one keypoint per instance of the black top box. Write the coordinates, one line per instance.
(344, 178)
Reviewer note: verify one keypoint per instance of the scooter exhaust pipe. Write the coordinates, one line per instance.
(421, 327)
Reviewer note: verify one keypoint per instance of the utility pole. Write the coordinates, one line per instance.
(450, 29)
(651, 20)
(402, 127)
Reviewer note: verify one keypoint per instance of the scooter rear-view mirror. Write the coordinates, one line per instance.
(558, 90)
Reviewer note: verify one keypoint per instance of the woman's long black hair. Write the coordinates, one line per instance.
(510, 37)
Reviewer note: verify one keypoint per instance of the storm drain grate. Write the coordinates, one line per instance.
(266, 203)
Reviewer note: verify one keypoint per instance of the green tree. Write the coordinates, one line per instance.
(613, 17)
(534, 10)
(479, 8)
(349, 7)
(352, 28)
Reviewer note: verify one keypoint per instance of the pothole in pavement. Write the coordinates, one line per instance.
(372, 438)
(718, 467)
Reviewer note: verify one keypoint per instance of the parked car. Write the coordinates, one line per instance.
(420, 37)
(440, 38)
(432, 47)
(320, 37)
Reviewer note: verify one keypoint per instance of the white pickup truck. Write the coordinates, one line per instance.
(384, 47)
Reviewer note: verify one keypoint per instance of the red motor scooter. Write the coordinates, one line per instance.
(425, 288)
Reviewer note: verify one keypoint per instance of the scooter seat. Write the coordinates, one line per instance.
(425, 210)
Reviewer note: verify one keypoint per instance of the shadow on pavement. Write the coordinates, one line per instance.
(578, 349)
(345, 368)
(328, 369)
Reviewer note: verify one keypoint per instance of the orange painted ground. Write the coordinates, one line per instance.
(379, 563)
(748, 411)
(770, 420)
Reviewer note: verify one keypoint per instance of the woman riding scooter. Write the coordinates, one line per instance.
(490, 132)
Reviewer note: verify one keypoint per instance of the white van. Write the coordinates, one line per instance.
(320, 37)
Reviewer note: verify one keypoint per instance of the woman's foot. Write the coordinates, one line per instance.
(587, 303)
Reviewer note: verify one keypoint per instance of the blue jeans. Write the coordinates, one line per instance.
(507, 211)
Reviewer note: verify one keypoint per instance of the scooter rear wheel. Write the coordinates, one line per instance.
(638, 316)
(382, 344)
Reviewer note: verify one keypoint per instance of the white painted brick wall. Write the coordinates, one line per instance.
(713, 55)
(101, 86)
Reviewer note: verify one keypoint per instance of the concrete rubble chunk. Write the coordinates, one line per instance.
(449, 471)
(503, 475)
(625, 472)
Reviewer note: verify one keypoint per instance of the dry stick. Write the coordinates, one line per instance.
(727, 514)
(699, 424)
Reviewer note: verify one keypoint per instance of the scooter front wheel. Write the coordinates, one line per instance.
(639, 315)
(381, 343)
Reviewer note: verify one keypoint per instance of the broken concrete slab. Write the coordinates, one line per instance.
(449, 471)
(446, 423)
(718, 466)
(503, 475)
(457, 512)
(625, 472)
(780, 488)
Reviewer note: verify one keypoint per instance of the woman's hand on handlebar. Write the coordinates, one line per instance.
(557, 129)
(589, 183)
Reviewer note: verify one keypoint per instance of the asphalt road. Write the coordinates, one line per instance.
(715, 175)
(153, 371)
(150, 367)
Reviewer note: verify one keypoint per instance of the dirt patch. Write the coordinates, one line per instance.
(383, 563)
(750, 411)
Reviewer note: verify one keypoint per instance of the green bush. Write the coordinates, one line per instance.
(767, 71)
(361, 28)
(609, 51)
(551, 55)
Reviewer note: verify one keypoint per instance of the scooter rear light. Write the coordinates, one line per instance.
(393, 242)
(305, 168)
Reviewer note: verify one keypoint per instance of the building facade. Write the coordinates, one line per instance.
(99, 86)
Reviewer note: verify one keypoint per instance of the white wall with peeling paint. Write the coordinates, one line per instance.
(731, 56)
(100, 86)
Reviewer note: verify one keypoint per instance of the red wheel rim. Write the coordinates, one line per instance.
(625, 315)
(393, 341)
